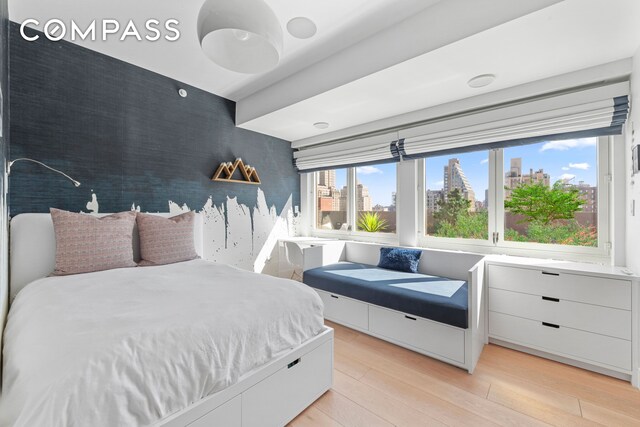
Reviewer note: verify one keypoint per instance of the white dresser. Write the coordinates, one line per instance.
(581, 314)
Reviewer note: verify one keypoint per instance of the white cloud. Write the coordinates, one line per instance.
(581, 166)
(565, 168)
(566, 144)
(368, 170)
(440, 183)
(566, 177)
(484, 161)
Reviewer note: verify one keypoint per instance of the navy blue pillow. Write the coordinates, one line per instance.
(400, 259)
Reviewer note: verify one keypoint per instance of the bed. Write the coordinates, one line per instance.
(193, 343)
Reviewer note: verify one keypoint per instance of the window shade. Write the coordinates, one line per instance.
(580, 114)
(592, 112)
(375, 149)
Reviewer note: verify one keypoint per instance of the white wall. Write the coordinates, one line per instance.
(633, 183)
(237, 234)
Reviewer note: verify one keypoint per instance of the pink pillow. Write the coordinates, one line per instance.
(166, 240)
(85, 243)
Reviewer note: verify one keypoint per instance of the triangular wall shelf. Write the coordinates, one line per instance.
(226, 170)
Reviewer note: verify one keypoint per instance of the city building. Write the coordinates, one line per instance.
(590, 196)
(329, 197)
(432, 199)
(455, 179)
(363, 200)
(514, 177)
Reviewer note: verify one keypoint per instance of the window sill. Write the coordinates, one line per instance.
(531, 250)
(387, 238)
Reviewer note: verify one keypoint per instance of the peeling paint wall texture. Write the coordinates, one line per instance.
(134, 143)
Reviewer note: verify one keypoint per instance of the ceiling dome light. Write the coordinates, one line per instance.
(240, 35)
(482, 80)
(321, 125)
(302, 28)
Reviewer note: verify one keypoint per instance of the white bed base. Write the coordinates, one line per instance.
(272, 395)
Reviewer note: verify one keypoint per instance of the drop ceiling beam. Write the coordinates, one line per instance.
(445, 22)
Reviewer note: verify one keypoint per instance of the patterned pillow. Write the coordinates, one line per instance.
(166, 240)
(400, 259)
(85, 243)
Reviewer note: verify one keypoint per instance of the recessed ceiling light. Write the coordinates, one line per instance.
(482, 80)
(321, 125)
(302, 28)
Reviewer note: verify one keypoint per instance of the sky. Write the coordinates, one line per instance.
(561, 159)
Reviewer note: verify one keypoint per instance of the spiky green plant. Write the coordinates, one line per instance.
(371, 222)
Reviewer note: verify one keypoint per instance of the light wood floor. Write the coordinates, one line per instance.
(380, 384)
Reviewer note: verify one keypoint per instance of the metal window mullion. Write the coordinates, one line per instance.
(496, 195)
(605, 184)
(352, 208)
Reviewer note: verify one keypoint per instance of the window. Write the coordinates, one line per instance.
(456, 196)
(551, 193)
(551, 196)
(375, 193)
(331, 199)
(361, 199)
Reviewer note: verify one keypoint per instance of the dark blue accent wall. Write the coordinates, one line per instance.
(127, 135)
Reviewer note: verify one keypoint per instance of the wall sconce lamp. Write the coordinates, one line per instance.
(76, 183)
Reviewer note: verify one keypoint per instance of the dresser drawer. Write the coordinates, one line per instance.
(345, 311)
(432, 337)
(572, 287)
(586, 317)
(613, 352)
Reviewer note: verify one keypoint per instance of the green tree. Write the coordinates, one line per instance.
(541, 204)
(469, 225)
(449, 209)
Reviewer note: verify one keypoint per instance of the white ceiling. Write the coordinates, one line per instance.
(568, 36)
(371, 59)
(339, 22)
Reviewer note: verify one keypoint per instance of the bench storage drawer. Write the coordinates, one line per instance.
(426, 335)
(345, 310)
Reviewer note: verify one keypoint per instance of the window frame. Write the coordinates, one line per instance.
(601, 253)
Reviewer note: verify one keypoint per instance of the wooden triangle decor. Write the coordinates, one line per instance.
(226, 170)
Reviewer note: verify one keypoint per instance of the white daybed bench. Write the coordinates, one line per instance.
(401, 307)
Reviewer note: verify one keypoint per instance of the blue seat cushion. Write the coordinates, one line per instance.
(431, 297)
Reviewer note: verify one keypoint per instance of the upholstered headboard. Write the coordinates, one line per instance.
(32, 248)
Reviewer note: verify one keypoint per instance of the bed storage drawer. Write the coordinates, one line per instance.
(228, 414)
(432, 337)
(277, 399)
(564, 341)
(566, 286)
(345, 310)
(609, 321)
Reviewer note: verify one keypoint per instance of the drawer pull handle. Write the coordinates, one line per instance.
(546, 273)
(333, 296)
(550, 325)
(294, 363)
(410, 318)
(551, 299)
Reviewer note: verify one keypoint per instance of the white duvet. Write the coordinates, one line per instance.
(130, 346)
